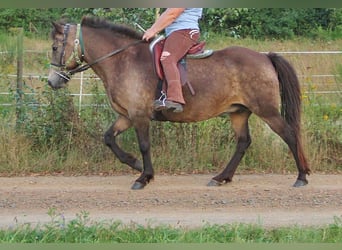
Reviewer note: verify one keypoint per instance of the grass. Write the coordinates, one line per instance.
(83, 230)
(176, 148)
(55, 139)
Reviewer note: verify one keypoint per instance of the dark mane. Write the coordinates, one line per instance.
(100, 23)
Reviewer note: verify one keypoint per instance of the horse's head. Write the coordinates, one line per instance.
(66, 53)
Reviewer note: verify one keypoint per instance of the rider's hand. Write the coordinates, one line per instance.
(149, 33)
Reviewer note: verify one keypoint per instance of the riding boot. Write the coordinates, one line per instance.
(174, 98)
(174, 92)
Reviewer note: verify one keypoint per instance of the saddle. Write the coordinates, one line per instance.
(195, 52)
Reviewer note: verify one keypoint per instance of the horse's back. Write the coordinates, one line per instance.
(245, 58)
(236, 64)
(232, 77)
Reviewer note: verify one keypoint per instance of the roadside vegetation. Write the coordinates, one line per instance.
(83, 230)
(47, 132)
(54, 135)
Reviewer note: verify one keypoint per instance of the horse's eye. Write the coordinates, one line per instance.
(54, 48)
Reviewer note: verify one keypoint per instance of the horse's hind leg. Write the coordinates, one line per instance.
(283, 129)
(119, 126)
(240, 125)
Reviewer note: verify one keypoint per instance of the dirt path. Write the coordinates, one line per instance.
(182, 201)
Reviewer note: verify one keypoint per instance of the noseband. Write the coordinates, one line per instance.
(75, 54)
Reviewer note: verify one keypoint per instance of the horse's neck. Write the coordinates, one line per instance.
(99, 43)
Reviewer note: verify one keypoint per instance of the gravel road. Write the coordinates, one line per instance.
(177, 200)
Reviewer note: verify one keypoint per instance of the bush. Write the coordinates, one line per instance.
(257, 23)
(275, 23)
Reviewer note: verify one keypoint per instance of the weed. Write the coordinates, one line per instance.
(83, 230)
(57, 135)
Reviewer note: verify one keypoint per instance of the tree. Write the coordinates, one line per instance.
(278, 23)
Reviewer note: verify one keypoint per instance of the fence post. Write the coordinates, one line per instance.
(20, 66)
(80, 97)
(157, 14)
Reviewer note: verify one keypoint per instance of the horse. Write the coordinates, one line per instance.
(234, 81)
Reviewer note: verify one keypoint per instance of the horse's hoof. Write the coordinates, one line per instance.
(138, 186)
(214, 183)
(300, 183)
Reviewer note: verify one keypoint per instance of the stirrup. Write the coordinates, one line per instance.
(177, 107)
(160, 105)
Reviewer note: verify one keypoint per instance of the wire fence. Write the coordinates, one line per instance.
(83, 78)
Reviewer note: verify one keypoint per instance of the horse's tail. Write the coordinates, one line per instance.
(290, 99)
(289, 91)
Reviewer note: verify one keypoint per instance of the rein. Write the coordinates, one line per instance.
(74, 55)
(88, 65)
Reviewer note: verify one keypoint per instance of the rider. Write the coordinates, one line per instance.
(182, 32)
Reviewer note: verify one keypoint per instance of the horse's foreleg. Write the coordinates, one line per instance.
(119, 126)
(240, 126)
(142, 130)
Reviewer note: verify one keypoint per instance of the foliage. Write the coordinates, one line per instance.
(323, 125)
(257, 23)
(48, 120)
(271, 23)
(57, 138)
(9, 53)
(32, 20)
(99, 109)
(38, 21)
(83, 230)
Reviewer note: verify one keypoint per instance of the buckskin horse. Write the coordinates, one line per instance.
(236, 81)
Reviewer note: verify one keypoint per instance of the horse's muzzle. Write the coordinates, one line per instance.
(57, 80)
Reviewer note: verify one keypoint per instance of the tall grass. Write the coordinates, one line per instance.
(54, 138)
(83, 230)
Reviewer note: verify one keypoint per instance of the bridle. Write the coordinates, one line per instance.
(62, 66)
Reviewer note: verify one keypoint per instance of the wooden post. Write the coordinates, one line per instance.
(20, 67)
(157, 13)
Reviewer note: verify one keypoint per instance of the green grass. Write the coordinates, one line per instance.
(54, 139)
(83, 230)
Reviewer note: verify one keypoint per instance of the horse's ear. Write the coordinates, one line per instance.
(58, 27)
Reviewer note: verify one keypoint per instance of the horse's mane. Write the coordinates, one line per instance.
(101, 23)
